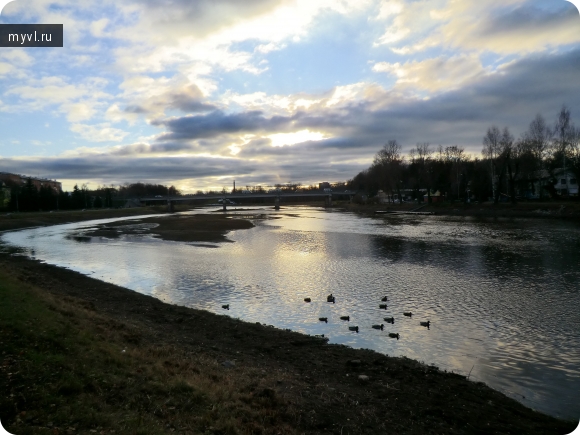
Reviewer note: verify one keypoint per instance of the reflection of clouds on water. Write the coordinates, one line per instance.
(500, 296)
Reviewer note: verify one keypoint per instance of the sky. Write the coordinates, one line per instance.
(198, 93)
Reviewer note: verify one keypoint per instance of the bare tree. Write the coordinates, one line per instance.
(573, 154)
(388, 162)
(563, 134)
(492, 150)
(537, 140)
(420, 158)
(511, 153)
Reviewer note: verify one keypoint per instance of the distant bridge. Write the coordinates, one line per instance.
(277, 196)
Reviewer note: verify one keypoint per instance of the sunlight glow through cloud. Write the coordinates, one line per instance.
(282, 139)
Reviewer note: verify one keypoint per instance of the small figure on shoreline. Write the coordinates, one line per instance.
(330, 298)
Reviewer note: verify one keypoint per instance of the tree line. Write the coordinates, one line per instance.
(28, 197)
(508, 167)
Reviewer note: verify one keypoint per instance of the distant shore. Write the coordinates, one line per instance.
(548, 209)
(247, 378)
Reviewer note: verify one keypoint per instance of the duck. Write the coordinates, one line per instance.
(383, 306)
(381, 326)
(409, 314)
(385, 299)
(427, 323)
(226, 307)
(393, 335)
(347, 318)
(323, 319)
(353, 328)
(389, 320)
(307, 300)
(330, 298)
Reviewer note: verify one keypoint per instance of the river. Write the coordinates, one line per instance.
(502, 296)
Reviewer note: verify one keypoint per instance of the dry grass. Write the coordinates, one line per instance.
(66, 368)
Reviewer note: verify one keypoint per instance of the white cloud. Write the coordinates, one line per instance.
(97, 27)
(436, 74)
(389, 8)
(99, 133)
(282, 139)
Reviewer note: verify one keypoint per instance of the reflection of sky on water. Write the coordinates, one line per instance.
(502, 296)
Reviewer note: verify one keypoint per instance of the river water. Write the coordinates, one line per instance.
(502, 296)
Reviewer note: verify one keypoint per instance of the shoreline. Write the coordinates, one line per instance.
(532, 210)
(319, 384)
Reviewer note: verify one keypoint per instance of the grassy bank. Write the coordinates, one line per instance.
(68, 368)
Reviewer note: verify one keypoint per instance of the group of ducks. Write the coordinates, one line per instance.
(332, 299)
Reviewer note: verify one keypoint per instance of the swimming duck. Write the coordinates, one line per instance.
(307, 300)
(330, 298)
(393, 335)
(408, 314)
(389, 319)
(323, 319)
(381, 326)
(353, 328)
(383, 306)
(226, 307)
(427, 323)
(347, 318)
(385, 299)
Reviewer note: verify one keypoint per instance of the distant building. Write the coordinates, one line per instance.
(9, 180)
(564, 182)
(435, 197)
(382, 197)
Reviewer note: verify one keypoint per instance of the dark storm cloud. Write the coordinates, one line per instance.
(188, 105)
(189, 99)
(528, 18)
(218, 123)
(114, 169)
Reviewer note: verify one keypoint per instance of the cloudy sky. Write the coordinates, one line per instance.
(197, 93)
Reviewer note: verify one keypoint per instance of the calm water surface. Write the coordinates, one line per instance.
(503, 297)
